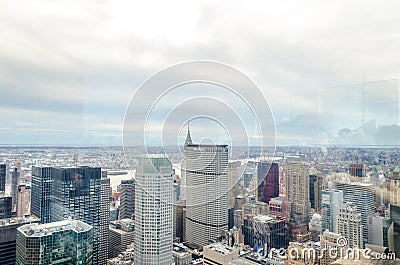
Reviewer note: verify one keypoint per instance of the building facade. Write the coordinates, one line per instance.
(298, 199)
(331, 203)
(207, 192)
(121, 235)
(80, 193)
(64, 242)
(127, 199)
(266, 232)
(329, 242)
(361, 195)
(8, 233)
(315, 192)
(349, 225)
(268, 176)
(153, 211)
(3, 177)
(5, 206)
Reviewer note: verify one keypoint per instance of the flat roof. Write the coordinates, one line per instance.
(38, 230)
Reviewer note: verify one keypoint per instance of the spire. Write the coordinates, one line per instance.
(188, 140)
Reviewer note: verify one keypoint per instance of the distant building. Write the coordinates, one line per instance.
(8, 234)
(315, 192)
(64, 242)
(42, 182)
(127, 199)
(23, 200)
(5, 206)
(295, 254)
(153, 211)
(3, 177)
(349, 225)
(125, 258)
(254, 207)
(14, 184)
(331, 203)
(121, 235)
(277, 206)
(180, 220)
(357, 170)
(298, 198)
(268, 176)
(266, 232)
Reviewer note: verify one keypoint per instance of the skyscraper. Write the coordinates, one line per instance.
(233, 185)
(5, 206)
(3, 177)
(394, 187)
(361, 195)
(349, 225)
(127, 199)
(298, 198)
(268, 176)
(64, 242)
(315, 192)
(104, 215)
(14, 184)
(378, 227)
(207, 192)
(331, 203)
(42, 182)
(121, 235)
(81, 193)
(394, 230)
(153, 211)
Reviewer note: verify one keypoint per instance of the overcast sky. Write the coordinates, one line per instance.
(69, 68)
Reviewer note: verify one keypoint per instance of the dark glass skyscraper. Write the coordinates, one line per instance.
(77, 192)
(5, 206)
(269, 181)
(3, 177)
(41, 193)
(127, 199)
(315, 192)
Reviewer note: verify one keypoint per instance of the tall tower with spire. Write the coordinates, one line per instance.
(188, 140)
(205, 185)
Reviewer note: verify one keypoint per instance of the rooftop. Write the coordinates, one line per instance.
(38, 230)
(220, 248)
(18, 220)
